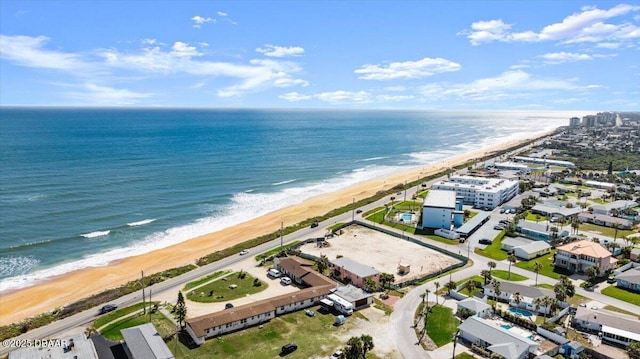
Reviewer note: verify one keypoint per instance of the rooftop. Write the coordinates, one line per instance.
(610, 319)
(351, 293)
(524, 290)
(473, 223)
(144, 342)
(354, 267)
(630, 275)
(587, 248)
(497, 336)
(440, 198)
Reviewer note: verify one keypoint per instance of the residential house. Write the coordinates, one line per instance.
(635, 254)
(350, 271)
(578, 256)
(555, 211)
(605, 220)
(527, 295)
(525, 249)
(609, 208)
(357, 297)
(629, 279)
(144, 342)
(77, 346)
(615, 327)
(479, 308)
(496, 339)
(539, 232)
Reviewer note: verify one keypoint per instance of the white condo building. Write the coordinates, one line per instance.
(485, 193)
(438, 209)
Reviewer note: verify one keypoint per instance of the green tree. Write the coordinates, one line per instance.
(511, 259)
(634, 350)
(386, 278)
(591, 272)
(180, 310)
(492, 265)
(437, 284)
(486, 275)
(517, 297)
(358, 347)
(470, 286)
(537, 267)
(323, 263)
(370, 285)
(564, 288)
(451, 285)
(496, 289)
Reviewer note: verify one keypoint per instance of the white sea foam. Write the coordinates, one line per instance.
(96, 234)
(11, 266)
(372, 159)
(283, 182)
(140, 223)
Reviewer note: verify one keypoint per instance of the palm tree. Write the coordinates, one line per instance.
(470, 286)
(437, 284)
(615, 233)
(512, 259)
(323, 263)
(491, 266)
(517, 297)
(575, 224)
(496, 289)
(386, 278)
(451, 285)
(486, 275)
(591, 272)
(537, 267)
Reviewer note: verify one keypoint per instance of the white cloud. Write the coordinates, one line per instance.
(181, 49)
(92, 94)
(28, 51)
(395, 88)
(509, 84)
(608, 45)
(395, 98)
(519, 67)
(344, 97)
(280, 51)
(199, 20)
(562, 57)
(408, 69)
(149, 41)
(222, 14)
(294, 97)
(585, 26)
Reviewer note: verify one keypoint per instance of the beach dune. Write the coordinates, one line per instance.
(56, 292)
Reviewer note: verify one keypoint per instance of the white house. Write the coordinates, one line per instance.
(144, 342)
(486, 193)
(615, 327)
(524, 248)
(481, 309)
(438, 208)
(497, 339)
(608, 208)
(527, 294)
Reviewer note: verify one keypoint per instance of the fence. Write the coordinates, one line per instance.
(552, 336)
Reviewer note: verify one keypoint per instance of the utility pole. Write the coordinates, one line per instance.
(144, 307)
(281, 234)
(468, 248)
(353, 210)
(405, 190)
(149, 305)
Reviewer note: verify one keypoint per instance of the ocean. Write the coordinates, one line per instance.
(81, 187)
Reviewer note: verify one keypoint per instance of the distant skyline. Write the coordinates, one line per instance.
(466, 55)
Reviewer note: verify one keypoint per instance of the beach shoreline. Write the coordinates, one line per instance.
(55, 292)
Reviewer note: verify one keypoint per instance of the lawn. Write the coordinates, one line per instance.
(464, 356)
(547, 265)
(503, 274)
(576, 300)
(441, 325)
(453, 242)
(117, 314)
(624, 295)
(204, 280)
(532, 217)
(221, 290)
(605, 231)
(164, 326)
(494, 250)
(478, 279)
(274, 251)
(315, 336)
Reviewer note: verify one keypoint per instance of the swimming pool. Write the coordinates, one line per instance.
(520, 312)
(407, 217)
(506, 326)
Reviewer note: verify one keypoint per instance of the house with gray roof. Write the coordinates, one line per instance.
(77, 346)
(525, 248)
(527, 295)
(350, 271)
(144, 342)
(480, 308)
(609, 208)
(629, 280)
(615, 327)
(604, 220)
(496, 339)
(358, 298)
(537, 231)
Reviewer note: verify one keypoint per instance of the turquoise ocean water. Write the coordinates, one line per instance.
(83, 187)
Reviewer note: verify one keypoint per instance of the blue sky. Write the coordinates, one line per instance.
(563, 55)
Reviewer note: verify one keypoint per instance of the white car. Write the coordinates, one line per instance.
(336, 355)
(285, 280)
(244, 251)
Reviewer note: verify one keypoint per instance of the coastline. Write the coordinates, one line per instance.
(59, 291)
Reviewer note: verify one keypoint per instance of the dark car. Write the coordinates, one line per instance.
(393, 198)
(108, 308)
(484, 241)
(289, 348)
(359, 211)
(314, 224)
(228, 306)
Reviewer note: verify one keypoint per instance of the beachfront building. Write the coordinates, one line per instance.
(580, 255)
(486, 193)
(615, 327)
(77, 346)
(543, 161)
(604, 220)
(509, 344)
(440, 208)
(509, 166)
(144, 342)
(350, 271)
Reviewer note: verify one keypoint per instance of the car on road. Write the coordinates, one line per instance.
(336, 355)
(285, 280)
(108, 308)
(498, 227)
(502, 210)
(393, 198)
(359, 211)
(314, 224)
(289, 348)
(228, 306)
(244, 251)
(485, 241)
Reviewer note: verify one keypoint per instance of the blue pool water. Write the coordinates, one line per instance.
(506, 326)
(406, 217)
(520, 312)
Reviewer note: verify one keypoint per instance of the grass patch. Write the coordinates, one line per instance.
(222, 292)
(453, 242)
(274, 251)
(597, 200)
(335, 226)
(377, 303)
(315, 336)
(441, 324)
(164, 326)
(503, 274)
(622, 294)
(464, 356)
(423, 194)
(204, 280)
(605, 231)
(548, 269)
(110, 317)
(494, 250)
(532, 217)
(371, 211)
(619, 310)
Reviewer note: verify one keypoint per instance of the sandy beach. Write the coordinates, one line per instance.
(57, 292)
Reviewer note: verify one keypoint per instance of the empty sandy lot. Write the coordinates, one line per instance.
(383, 252)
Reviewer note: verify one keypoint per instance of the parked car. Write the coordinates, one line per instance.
(310, 313)
(274, 273)
(393, 198)
(108, 308)
(611, 279)
(289, 348)
(336, 355)
(498, 227)
(485, 241)
(502, 210)
(314, 224)
(359, 211)
(228, 306)
(244, 251)
(285, 280)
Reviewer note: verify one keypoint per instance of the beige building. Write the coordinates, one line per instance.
(350, 271)
(578, 256)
